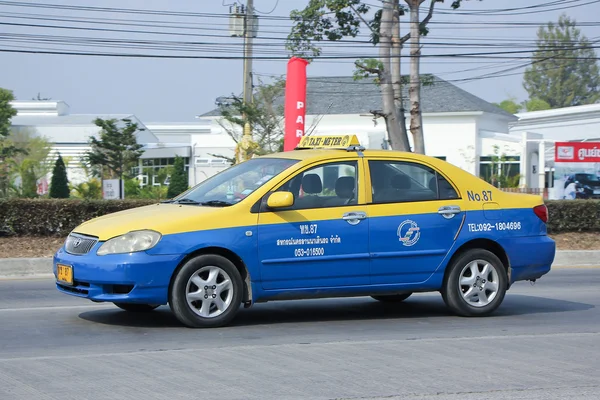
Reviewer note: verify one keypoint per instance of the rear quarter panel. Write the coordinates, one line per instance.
(509, 220)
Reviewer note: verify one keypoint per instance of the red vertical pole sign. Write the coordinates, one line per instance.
(295, 102)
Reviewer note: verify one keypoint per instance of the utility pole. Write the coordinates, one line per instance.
(249, 27)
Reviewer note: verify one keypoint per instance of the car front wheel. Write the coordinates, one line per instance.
(476, 283)
(206, 292)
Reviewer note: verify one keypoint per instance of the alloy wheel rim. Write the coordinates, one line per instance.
(209, 292)
(479, 283)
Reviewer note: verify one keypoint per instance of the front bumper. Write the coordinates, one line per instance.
(126, 278)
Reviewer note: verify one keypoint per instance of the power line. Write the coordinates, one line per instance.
(226, 16)
(498, 55)
(537, 10)
(197, 26)
(264, 48)
(270, 12)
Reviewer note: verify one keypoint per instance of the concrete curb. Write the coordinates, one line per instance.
(580, 258)
(34, 268)
(25, 268)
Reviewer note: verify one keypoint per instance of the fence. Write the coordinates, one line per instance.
(537, 191)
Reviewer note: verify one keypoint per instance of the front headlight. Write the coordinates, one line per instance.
(130, 242)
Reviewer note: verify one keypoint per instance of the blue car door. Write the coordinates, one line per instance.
(323, 239)
(415, 217)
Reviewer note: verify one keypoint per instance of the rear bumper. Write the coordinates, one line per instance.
(126, 278)
(530, 257)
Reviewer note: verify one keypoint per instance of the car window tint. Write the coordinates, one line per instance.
(327, 185)
(397, 181)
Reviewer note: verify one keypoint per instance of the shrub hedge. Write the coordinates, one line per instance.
(573, 216)
(57, 217)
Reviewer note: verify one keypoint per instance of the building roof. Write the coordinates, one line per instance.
(40, 107)
(83, 124)
(344, 95)
(569, 112)
(72, 119)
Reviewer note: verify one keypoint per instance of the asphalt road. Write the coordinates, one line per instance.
(543, 343)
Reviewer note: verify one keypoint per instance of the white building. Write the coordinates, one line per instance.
(70, 133)
(198, 142)
(543, 128)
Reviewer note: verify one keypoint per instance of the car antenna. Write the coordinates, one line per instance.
(316, 121)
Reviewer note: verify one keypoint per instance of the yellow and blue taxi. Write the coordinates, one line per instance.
(329, 219)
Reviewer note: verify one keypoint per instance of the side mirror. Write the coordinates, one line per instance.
(280, 200)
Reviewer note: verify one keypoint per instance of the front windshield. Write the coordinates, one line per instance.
(235, 183)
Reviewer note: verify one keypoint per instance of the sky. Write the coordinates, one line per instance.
(176, 89)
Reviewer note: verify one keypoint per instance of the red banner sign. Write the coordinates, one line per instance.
(295, 102)
(577, 152)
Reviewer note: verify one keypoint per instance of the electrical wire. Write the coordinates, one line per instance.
(264, 51)
(536, 11)
(270, 12)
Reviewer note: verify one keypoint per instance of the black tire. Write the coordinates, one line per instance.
(394, 298)
(454, 294)
(189, 314)
(138, 308)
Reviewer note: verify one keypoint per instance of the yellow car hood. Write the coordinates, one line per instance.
(163, 218)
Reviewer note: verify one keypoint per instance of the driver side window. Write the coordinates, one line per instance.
(326, 185)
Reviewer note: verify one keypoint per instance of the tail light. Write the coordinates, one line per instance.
(542, 212)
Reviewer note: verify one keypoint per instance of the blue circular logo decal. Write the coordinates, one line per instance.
(409, 232)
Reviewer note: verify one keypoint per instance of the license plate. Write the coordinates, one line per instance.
(64, 274)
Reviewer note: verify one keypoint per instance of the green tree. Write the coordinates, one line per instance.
(6, 149)
(59, 185)
(510, 106)
(6, 111)
(132, 187)
(179, 179)
(90, 190)
(536, 105)
(32, 158)
(334, 20)
(564, 71)
(264, 115)
(154, 192)
(502, 172)
(117, 149)
(28, 180)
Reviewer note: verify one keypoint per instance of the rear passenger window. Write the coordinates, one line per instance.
(398, 182)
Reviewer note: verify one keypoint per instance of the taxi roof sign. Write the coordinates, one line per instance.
(345, 142)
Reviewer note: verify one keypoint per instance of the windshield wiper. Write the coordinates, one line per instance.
(187, 201)
(216, 203)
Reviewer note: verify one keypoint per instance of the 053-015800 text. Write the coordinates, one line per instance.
(310, 251)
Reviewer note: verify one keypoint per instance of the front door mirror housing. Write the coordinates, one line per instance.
(280, 200)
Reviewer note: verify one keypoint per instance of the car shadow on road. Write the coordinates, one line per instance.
(331, 310)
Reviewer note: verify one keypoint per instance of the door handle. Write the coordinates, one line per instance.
(354, 217)
(448, 211)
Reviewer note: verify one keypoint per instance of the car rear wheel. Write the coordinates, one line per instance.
(206, 292)
(394, 298)
(476, 283)
(133, 307)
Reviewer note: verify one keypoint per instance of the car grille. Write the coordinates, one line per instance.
(79, 244)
